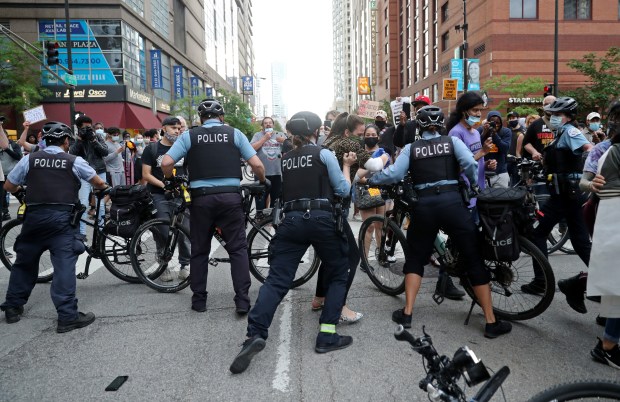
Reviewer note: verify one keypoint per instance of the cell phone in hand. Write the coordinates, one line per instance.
(407, 109)
(327, 123)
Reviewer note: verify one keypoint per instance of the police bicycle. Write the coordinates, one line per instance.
(384, 264)
(441, 382)
(113, 251)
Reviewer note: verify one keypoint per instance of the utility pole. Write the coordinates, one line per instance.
(464, 27)
(69, 65)
(555, 53)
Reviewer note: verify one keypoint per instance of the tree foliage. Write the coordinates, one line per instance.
(603, 76)
(20, 77)
(518, 87)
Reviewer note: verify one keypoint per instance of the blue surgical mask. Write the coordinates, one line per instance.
(139, 141)
(116, 138)
(555, 122)
(595, 126)
(472, 120)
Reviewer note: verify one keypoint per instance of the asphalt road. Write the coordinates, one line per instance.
(171, 353)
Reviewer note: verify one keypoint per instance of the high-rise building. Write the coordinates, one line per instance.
(344, 80)
(133, 58)
(278, 78)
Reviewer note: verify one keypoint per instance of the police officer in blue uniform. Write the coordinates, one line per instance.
(51, 223)
(212, 153)
(311, 179)
(563, 164)
(434, 163)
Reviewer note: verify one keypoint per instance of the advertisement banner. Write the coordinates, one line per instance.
(156, 79)
(248, 85)
(449, 89)
(363, 86)
(90, 93)
(209, 92)
(178, 81)
(473, 73)
(96, 58)
(194, 85)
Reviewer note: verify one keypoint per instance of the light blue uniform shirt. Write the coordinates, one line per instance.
(572, 138)
(339, 183)
(397, 171)
(181, 147)
(80, 167)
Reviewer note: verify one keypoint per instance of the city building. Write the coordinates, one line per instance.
(418, 39)
(133, 58)
(278, 78)
(345, 83)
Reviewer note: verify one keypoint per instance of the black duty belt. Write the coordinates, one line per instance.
(202, 191)
(306, 205)
(53, 207)
(438, 189)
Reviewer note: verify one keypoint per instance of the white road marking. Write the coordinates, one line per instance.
(281, 379)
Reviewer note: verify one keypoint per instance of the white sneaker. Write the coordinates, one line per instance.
(184, 272)
(166, 276)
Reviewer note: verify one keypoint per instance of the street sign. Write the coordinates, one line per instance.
(449, 89)
(70, 79)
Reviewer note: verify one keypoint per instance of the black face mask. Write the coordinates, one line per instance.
(371, 142)
(380, 124)
(513, 123)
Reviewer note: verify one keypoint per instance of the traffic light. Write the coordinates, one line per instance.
(52, 53)
(548, 90)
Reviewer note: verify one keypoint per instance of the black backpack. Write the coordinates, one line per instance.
(131, 206)
(498, 208)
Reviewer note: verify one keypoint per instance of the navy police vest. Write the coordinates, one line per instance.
(433, 160)
(213, 153)
(304, 175)
(51, 179)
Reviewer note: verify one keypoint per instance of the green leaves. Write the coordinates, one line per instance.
(517, 87)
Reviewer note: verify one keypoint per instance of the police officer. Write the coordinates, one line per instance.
(434, 163)
(311, 181)
(563, 164)
(212, 153)
(52, 213)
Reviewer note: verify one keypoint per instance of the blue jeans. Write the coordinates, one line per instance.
(612, 330)
(85, 190)
(165, 209)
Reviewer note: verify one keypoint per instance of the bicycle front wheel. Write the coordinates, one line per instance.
(259, 238)
(8, 235)
(115, 257)
(385, 259)
(154, 257)
(599, 390)
(508, 279)
(557, 238)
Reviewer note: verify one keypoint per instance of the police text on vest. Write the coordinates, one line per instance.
(298, 162)
(50, 163)
(213, 137)
(430, 150)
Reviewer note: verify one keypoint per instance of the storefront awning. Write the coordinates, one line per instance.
(111, 114)
(138, 117)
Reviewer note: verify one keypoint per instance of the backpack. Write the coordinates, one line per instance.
(498, 209)
(131, 206)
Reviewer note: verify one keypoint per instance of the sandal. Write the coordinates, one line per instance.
(317, 303)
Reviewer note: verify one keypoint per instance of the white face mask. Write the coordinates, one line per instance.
(99, 131)
(116, 138)
(139, 140)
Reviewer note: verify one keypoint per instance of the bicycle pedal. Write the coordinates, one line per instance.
(438, 298)
(81, 275)
(213, 262)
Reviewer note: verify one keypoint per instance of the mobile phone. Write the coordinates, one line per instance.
(407, 109)
(116, 384)
(327, 123)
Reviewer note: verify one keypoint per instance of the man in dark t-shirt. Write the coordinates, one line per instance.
(151, 172)
(538, 134)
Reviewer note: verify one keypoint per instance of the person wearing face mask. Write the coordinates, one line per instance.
(114, 159)
(99, 130)
(516, 145)
(53, 178)
(154, 177)
(593, 132)
(139, 141)
(434, 177)
(268, 146)
(93, 149)
(563, 167)
(538, 134)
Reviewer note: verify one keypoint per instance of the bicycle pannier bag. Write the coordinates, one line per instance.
(131, 206)
(497, 208)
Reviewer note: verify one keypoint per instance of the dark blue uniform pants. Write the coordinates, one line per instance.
(42, 230)
(226, 212)
(444, 211)
(293, 237)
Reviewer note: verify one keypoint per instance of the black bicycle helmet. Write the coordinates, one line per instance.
(428, 116)
(210, 107)
(304, 123)
(613, 118)
(55, 129)
(564, 105)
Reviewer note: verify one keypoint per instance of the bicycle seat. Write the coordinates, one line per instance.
(253, 188)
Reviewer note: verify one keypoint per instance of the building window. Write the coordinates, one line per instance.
(577, 9)
(387, 66)
(385, 31)
(159, 13)
(435, 97)
(385, 13)
(524, 9)
(387, 83)
(445, 39)
(386, 48)
(136, 5)
(444, 12)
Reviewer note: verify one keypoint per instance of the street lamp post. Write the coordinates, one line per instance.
(464, 27)
(555, 53)
(69, 64)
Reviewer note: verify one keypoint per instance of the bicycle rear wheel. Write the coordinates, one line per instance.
(599, 390)
(115, 257)
(510, 302)
(8, 235)
(158, 267)
(258, 244)
(384, 262)
(557, 239)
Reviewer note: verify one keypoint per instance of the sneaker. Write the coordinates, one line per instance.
(401, 318)
(496, 329)
(13, 314)
(609, 357)
(574, 289)
(82, 321)
(250, 348)
(534, 288)
(184, 272)
(329, 342)
(166, 276)
(451, 291)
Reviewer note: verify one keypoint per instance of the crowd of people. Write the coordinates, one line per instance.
(310, 168)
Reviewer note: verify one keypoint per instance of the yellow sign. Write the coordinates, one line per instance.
(449, 89)
(363, 86)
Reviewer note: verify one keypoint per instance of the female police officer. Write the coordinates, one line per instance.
(311, 181)
(433, 163)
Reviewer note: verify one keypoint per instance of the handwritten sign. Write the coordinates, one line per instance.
(35, 114)
(449, 89)
(368, 108)
(397, 107)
